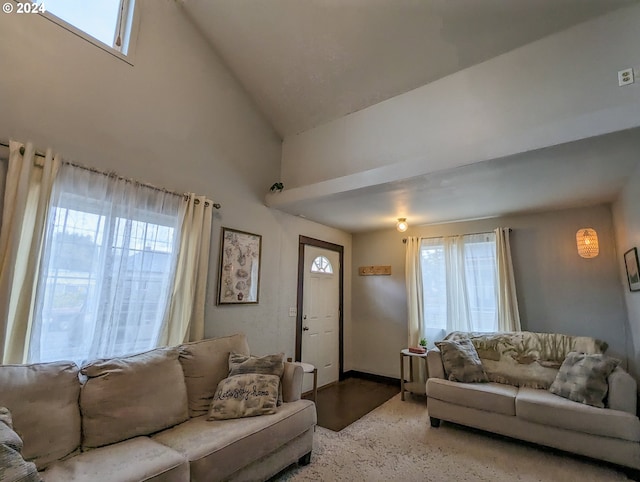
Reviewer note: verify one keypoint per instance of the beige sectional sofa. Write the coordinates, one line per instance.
(522, 407)
(144, 418)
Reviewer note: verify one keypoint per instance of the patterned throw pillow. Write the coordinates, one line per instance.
(266, 365)
(583, 378)
(461, 361)
(12, 466)
(246, 395)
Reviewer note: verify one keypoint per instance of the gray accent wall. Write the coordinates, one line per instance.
(558, 291)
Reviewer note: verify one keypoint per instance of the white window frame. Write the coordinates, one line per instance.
(131, 17)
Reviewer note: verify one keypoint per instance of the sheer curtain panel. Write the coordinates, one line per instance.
(107, 269)
(26, 198)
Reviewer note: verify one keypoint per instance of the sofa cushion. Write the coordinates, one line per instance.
(13, 468)
(543, 407)
(217, 449)
(246, 395)
(137, 459)
(130, 396)
(43, 400)
(492, 397)
(461, 361)
(205, 363)
(583, 378)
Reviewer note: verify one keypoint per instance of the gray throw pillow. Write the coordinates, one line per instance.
(246, 395)
(265, 365)
(13, 468)
(461, 361)
(583, 378)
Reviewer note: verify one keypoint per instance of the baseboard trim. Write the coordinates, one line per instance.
(372, 377)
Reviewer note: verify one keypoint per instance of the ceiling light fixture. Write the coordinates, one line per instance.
(587, 242)
(402, 225)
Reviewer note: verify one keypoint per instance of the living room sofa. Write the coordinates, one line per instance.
(516, 402)
(144, 418)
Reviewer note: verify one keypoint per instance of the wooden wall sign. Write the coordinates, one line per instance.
(374, 270)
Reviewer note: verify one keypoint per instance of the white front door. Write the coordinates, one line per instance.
(320, 314)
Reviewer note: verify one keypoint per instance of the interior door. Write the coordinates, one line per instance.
(320, 314)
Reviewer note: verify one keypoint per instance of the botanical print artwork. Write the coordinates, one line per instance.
(239, 267)
(633, 269)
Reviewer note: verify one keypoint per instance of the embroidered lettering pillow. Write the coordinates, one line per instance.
(246, 395)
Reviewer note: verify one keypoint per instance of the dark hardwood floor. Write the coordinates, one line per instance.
(343, 403)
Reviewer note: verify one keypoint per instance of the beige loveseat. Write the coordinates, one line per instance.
(522, 407)
(143, 418)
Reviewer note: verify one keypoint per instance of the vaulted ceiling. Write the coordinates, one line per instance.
(308, 62)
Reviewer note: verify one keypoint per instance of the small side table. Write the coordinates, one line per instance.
(309, 368)
(412, 386)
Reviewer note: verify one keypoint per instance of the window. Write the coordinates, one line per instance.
(107, 268)
(459, 283)
(106, 23)
(321, 265)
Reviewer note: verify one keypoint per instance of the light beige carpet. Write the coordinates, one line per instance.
(396, 443)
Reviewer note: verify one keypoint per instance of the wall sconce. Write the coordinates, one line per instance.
(402, 225)
(587, 242)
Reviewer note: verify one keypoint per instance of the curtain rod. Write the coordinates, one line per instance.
(404, 240)
(114, 174)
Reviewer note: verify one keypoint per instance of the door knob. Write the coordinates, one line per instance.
(305, 328)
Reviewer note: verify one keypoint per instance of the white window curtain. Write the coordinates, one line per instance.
(186, 317)
(26, 198)
(107, 268)
(466, 284)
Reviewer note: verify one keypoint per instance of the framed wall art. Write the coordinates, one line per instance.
(239, 280)
(633, 269)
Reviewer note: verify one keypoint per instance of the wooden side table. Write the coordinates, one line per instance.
(411, 385)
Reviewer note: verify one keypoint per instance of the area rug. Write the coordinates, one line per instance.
(395, 442)
(343, 403)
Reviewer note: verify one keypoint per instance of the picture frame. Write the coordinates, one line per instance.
(633, 269)
(240, 259)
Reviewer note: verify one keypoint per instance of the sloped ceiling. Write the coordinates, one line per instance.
(306, 62)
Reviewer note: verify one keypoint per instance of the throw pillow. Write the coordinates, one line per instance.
(265, 365)
(246, 395)
(13, 467)
(583, 378)
(461, 361)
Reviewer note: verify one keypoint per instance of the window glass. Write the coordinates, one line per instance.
(107, 269)
(321, 265)
(108, 21)
(459, 283)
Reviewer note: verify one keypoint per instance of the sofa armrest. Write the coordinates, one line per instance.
(622, 391)
(434, 362)
(292, 382)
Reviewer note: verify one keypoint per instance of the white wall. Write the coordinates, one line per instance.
(626, 217)
(558, 291)
(177, 119)
(555, 90)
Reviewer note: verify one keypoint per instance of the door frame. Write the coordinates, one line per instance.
(306, 241)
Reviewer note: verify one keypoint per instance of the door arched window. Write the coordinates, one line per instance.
(321, 265)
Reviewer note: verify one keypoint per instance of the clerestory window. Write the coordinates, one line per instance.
(106, 23)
